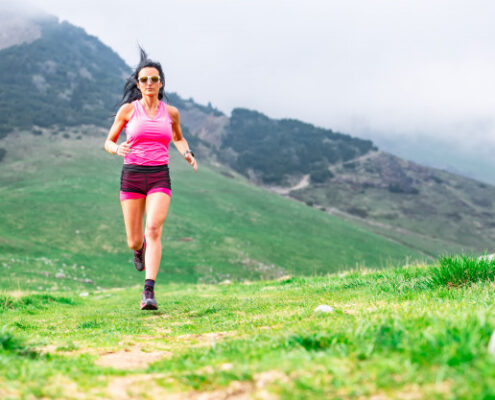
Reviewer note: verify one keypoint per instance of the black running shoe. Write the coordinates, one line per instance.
(139, 257)
(148, 301)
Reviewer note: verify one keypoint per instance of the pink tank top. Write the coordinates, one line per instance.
(148, 137)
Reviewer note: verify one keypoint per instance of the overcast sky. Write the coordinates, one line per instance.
(391, 67)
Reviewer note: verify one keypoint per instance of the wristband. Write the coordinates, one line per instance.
(188, 151)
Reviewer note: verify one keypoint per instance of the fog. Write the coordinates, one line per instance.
(374, 68)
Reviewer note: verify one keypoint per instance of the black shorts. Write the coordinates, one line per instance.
(137, 181)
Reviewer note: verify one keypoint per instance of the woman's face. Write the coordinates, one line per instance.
(149, 87)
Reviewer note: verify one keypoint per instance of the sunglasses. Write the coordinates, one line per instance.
(146, 79)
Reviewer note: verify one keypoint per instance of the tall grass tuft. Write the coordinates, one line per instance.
(9, 343)
(6, 302)
(462, 270)
(33, 301)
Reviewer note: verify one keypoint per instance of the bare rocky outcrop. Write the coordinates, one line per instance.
(207, 127)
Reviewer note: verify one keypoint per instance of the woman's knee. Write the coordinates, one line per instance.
(135, 243)
(153, 232)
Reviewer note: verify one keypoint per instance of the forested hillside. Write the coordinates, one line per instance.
(65, 77)
(276, 150)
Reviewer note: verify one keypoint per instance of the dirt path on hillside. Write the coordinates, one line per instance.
(304, 182)
(145, 386)
(139, 356)
(135, 357)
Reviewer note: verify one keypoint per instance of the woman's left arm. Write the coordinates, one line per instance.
(180, 141)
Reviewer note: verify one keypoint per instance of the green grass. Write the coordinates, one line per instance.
(392, 335)
(462, 270)
(9, 343)
(70, 326)
(64, 219)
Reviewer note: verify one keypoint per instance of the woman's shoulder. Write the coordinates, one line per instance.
(126, 107)
(172, 111)
(126, 110)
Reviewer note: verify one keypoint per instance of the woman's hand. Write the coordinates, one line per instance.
(123, 149)
(192, 161)
(121, 119)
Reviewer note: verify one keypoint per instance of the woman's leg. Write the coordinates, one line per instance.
(133, 210)
(156, 211)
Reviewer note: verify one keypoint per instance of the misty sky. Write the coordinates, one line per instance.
(360, 66)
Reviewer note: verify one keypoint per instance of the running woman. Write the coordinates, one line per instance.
(145, 185)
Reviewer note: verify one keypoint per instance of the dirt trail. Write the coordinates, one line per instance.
(134, 387)
(137, 354)
(205, 339)
(304, 182)
(135, 357)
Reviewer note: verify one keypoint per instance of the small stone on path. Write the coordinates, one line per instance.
(324, 308)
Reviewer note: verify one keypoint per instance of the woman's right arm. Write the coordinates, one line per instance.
(121, 119)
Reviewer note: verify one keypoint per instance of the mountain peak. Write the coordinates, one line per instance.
(20, 23)
(54, 75)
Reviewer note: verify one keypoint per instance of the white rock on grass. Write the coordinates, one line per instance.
(84, 294)
(324, 308)
(491, 345)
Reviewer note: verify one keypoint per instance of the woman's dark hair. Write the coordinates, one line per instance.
(131, 91)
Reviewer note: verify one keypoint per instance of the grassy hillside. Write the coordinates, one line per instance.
(63, 217)
(404, 333)
(61, 194)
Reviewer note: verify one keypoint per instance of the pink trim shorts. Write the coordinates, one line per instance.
(138, 181)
